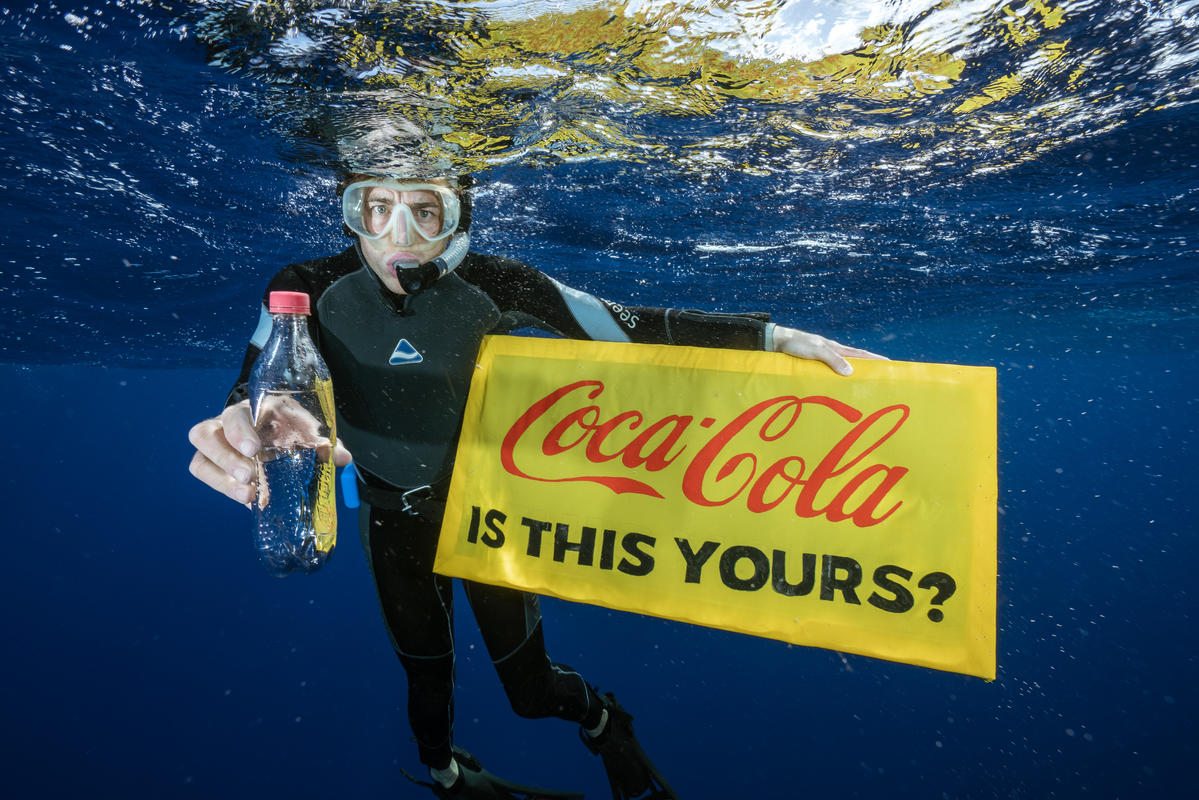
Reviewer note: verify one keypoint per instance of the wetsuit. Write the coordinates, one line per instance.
(401, 367)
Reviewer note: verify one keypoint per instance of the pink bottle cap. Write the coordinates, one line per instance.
(289, 303)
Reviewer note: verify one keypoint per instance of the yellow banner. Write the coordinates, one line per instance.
(753, 492)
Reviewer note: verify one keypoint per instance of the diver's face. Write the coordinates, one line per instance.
(401, 231)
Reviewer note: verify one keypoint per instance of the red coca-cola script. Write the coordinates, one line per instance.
(717, 473)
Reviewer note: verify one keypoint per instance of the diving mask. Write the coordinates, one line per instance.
(379, 207)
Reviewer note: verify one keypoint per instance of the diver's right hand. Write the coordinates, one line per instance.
(225, 449)
(226, 446)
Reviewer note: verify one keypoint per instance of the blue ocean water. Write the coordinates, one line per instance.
(984, 183)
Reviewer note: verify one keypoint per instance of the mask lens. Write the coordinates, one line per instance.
(428, 212)
(378, 208)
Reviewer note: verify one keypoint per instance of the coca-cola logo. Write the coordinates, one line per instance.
(629, 453)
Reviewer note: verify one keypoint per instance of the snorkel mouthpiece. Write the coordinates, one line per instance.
(415, 278)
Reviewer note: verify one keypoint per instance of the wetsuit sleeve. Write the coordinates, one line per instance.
(530, 298)
(286, 280)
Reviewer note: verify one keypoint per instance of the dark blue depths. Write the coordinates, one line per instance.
(148, 655)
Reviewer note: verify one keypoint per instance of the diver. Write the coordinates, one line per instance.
(398, 317)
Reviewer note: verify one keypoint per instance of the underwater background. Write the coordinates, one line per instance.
(1004, 184)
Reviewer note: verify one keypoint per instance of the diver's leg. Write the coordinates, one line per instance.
(510, 622)
(417, 607)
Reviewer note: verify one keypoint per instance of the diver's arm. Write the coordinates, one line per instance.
(536, 297)
(226, 444)
(528, 297)
(748, 332)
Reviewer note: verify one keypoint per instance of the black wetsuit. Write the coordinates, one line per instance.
(401, 367)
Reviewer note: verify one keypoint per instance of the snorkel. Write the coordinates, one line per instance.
(415, 278)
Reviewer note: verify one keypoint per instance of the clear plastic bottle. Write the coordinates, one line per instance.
(291, 400)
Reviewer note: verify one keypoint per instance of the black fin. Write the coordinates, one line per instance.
(631, 774)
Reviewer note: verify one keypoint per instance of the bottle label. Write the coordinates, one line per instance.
(324, 512)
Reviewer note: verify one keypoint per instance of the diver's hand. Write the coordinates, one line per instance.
(813, 346)
(225, 450)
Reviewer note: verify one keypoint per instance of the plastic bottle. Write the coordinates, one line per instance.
(291, 400)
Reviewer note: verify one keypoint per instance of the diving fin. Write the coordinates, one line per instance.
(631, 775)
(476, 783)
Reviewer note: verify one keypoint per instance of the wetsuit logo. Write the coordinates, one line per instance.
(405, 353)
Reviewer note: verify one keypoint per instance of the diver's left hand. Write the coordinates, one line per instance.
(802, 344)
